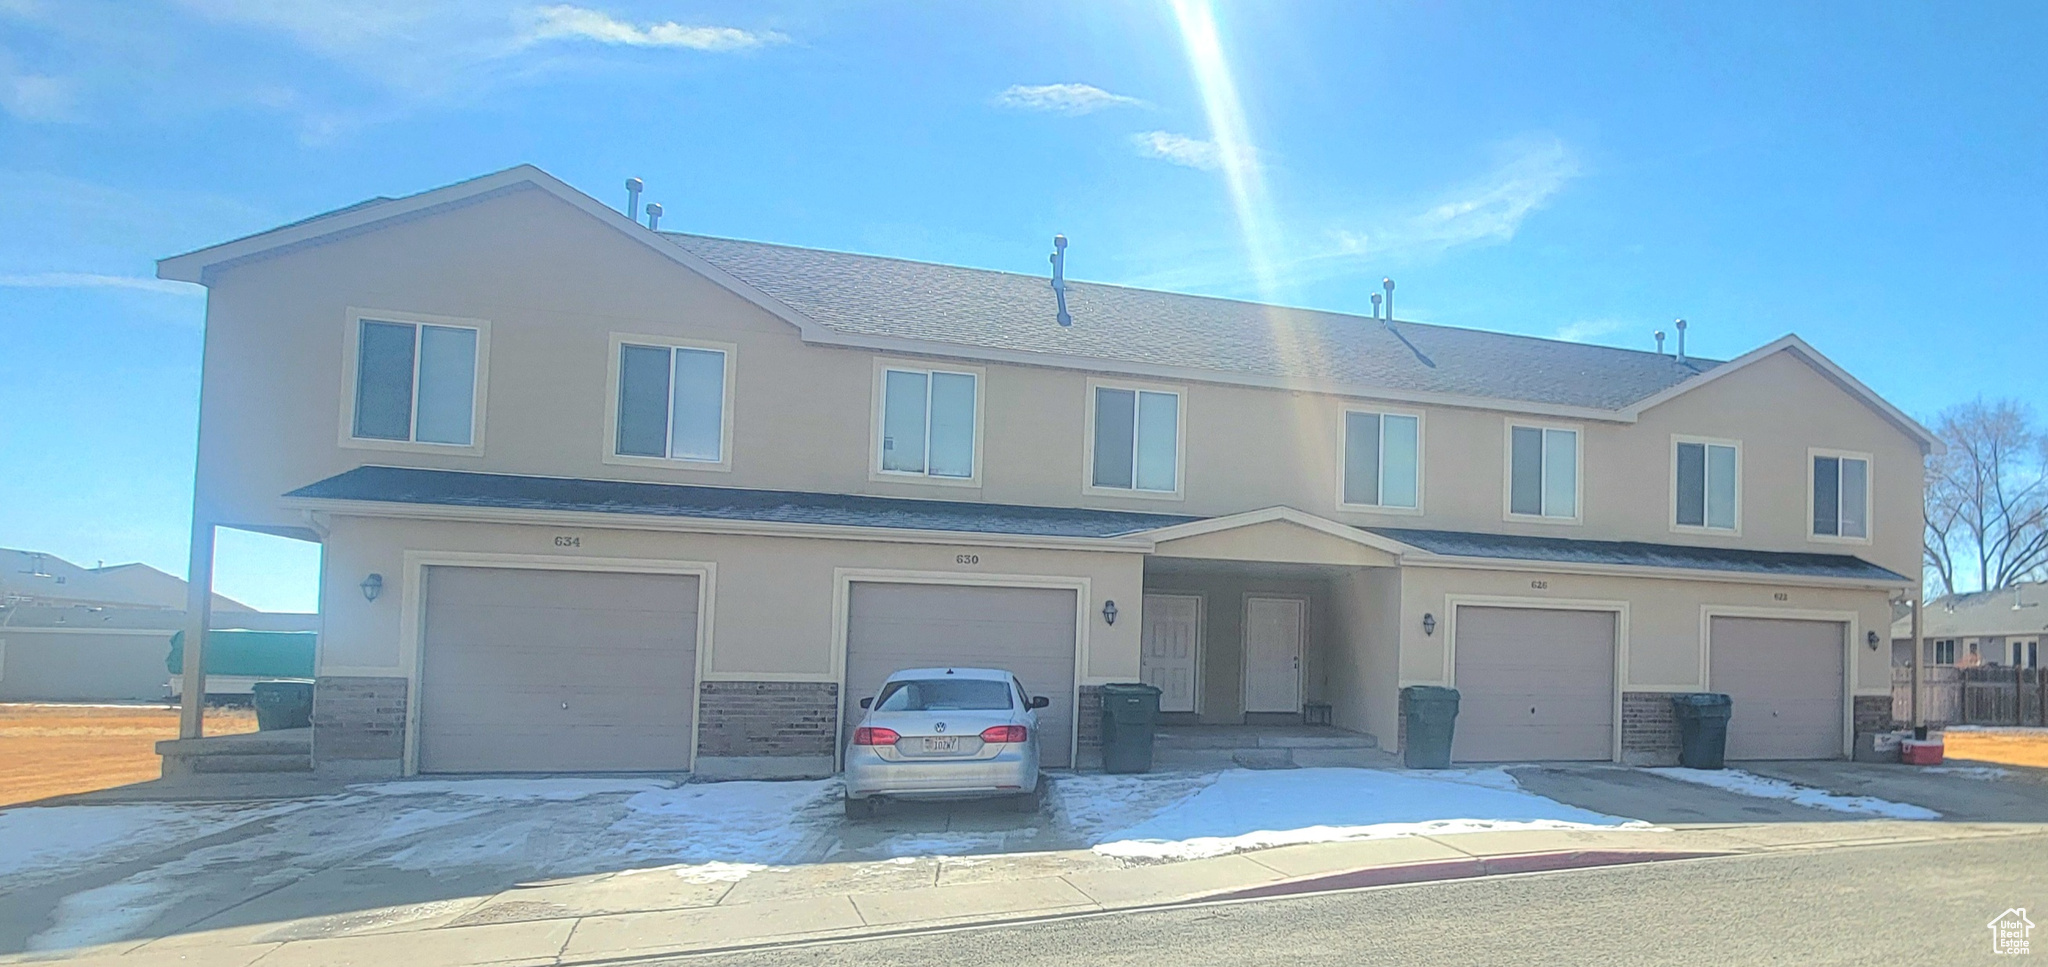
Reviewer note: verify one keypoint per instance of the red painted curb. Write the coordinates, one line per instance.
(1458, 869)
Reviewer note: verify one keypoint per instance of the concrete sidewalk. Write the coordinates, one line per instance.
(667, 911)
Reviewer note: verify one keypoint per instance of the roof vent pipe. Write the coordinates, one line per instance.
(633, 186)
(1059, 278)
(654, 215)
(1388, 284)
(1681, 339)
(1660, 342)
(1375, 305)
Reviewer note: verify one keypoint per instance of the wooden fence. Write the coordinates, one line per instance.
(1973, 696)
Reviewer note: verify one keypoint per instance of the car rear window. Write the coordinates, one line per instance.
(943, 694)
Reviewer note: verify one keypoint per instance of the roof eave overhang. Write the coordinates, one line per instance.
(1422, 558)
(1254, 518)
(400, 510)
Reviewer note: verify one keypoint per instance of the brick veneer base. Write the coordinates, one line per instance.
(1088, 718)
(767, 719)
(1649, 729)
(358, 723)
(1873, 713)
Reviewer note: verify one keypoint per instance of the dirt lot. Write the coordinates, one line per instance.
(2006, 747)
(55, 750)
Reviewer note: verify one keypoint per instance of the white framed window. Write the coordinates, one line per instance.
(1839, 484)
(413, 381)
(1543, 470)
(927, 424)
(671, 403)
(1706, 485)
(1382, 461)
(1135, 437)
(1942, 651)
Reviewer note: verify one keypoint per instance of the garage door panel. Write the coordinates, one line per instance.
(1028, 632)
(557, 671)
(1785, 678)
(1534, 684)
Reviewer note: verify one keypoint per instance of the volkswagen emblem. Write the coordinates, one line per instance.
(941, 727)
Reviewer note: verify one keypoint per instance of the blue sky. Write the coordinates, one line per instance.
(1868, 176)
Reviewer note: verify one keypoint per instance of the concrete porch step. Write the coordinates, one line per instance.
(283, 750)
(1260, 737)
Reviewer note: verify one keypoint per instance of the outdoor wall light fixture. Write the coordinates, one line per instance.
(1109, 612)
(1870, 638)
(1429, 624)
(372, 586)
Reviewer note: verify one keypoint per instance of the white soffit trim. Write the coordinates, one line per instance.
(1269, 515)
(1427, 559)
(1812, 357)
(1130, 543)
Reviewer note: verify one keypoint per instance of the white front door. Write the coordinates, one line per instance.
(1272, 654)
(1172, 639)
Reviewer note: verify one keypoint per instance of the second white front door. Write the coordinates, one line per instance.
(1272, 653)
(1173, 634)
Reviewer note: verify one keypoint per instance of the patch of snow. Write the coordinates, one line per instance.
(730, 822)
(1969, 772)
(1762, 787)
(1246, 809)
(550, 789)
(718, 872)
(39, 842)
(910, 846)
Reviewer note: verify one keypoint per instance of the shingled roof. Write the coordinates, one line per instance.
(867, 295)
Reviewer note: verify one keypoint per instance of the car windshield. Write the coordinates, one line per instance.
(943, 694)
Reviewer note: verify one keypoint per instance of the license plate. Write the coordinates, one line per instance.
(938, 744)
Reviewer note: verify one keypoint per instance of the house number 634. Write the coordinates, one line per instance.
(568, 541)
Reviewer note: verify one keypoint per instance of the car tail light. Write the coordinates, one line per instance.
(1005, 733)
(870, 735)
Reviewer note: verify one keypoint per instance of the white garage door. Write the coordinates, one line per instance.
(1534, 684)
(556, 671)
(1786, 680)
(1028, 632)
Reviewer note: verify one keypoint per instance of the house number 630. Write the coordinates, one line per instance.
(967, 559)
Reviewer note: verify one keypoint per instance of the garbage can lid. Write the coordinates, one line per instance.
(1702, 699)
(1130, 688)
(1430, 693)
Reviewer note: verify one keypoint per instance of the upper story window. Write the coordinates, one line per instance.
(930, 420)
(416, 380)
(1705, 483)
(1382, 460)
(1543, 472)
(1841, 496)
(1134, 440)
(671, 401)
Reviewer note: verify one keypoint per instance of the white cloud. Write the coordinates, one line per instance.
(1488, 210)
(35, 97)
(1063, 98)
(567, 22)
(1587, 330)
(1182, 150)
(94, 280)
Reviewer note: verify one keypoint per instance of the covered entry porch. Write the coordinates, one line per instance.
(1274, 619)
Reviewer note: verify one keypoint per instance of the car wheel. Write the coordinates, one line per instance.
(860, 808)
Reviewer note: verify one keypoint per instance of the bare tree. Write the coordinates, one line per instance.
(1987, 497)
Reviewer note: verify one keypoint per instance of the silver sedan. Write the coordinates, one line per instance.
(945, 733)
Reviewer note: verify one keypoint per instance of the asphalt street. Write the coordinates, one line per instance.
(1912, 904)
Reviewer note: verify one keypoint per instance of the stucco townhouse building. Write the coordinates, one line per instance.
(597, 497)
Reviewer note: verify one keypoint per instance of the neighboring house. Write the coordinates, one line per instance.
(2002, 628)
(593, 497)
(70, 633)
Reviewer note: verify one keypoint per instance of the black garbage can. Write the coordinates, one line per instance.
(283, 705)
(1130, 712)
(1431, 714)
(1702, 728)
